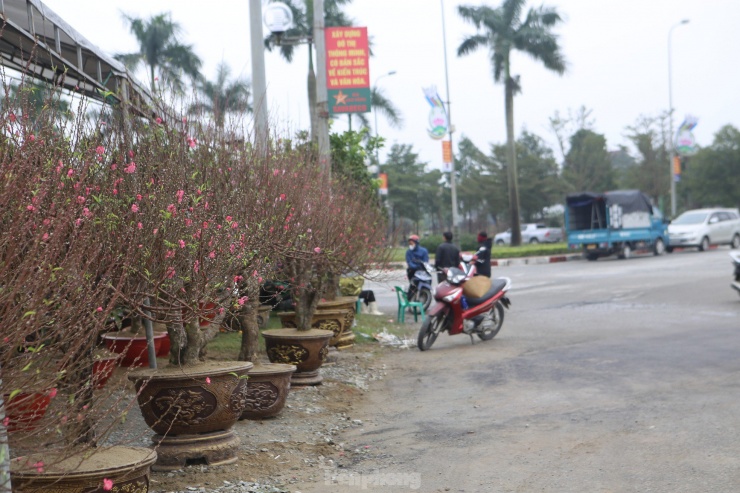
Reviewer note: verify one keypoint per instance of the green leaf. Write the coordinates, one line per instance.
(13, 394)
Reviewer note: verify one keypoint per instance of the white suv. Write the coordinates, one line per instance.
(703, 227)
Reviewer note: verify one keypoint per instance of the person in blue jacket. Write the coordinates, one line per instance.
(416, 255)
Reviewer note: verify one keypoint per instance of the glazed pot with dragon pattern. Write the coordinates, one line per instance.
(267, 390)
(306, 349)
(205, 398)
(334, 320)
(111, 469)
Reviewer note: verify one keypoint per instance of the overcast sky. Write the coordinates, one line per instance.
(617, 53)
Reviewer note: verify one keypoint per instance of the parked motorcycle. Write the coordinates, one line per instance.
(456, 313)
(420, 287)
(736, 262)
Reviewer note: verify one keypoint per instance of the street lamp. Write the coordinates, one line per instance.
(671, 145)
(375, 111)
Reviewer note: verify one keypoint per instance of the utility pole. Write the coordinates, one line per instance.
(259, 83)
(322, 105)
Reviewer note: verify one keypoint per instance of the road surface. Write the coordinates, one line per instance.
(607, 376)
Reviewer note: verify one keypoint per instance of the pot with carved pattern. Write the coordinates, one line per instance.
(192, 409)
(267, 390)
(306, 349)
(348, 305)
(115, 469)
(333, 320)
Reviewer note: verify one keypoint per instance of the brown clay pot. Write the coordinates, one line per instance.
(127, 468)
(267, 390)
(306, 349)
(203, 398)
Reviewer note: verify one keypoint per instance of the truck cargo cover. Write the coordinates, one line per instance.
(629, 200)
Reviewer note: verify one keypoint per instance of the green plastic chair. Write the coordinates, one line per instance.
(403, 303)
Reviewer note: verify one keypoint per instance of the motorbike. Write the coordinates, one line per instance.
(456, 313)
(420, 287)
(736, 262)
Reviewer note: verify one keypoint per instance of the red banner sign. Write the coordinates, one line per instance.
(347, 69)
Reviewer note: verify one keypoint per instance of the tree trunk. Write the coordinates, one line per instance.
(312, 96)
(250, 329)
(516, 230)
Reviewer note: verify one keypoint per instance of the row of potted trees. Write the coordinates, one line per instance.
(172, 222)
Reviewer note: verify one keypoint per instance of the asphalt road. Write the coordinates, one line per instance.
(607, 376)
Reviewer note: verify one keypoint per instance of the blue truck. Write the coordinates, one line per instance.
(617, 222)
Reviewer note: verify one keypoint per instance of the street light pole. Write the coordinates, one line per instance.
(322, 104)
(375, 112)
(453, 188)
(259, 84)
(671, 144)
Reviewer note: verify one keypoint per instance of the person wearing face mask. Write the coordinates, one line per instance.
(416, 255)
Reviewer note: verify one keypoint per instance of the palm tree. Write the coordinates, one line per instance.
(502, 30)
(222, 96)
(303, 29)
(161, 51)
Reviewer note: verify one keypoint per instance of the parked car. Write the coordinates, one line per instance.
(701, 228)
(531, 233)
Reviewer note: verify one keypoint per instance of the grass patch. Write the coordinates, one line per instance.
(367, 325)
(530, 250)
(226, 345)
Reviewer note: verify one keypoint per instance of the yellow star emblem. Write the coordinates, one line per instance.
(340, 97)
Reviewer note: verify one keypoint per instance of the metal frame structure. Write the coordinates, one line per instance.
(37, 42)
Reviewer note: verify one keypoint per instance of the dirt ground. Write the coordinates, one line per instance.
(296, 446)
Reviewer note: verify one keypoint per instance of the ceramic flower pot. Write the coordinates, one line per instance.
(306, 349)
(103, 369)
(333, 320)
(112, 469)
(25, 409)
(263, 316)
(267, 390)
(348, 305)
(192, 410)
(133, 348)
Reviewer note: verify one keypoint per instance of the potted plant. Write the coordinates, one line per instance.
(342, 233)
(60, 274)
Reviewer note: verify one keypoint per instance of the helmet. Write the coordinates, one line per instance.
(414, 238)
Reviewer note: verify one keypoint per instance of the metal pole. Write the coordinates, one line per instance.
(259, 83)
(453, 188)
(671, 146)
(375, 112)
(322, 105)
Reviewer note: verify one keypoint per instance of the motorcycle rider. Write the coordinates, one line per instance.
(448, 255)
(416, 255)
(483, 266)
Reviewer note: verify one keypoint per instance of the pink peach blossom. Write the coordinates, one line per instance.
(134, 208)
(107, 484)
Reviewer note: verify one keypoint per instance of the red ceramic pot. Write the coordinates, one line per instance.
(164, 348)
(102, 370)
(132, 348)
(25, 409)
